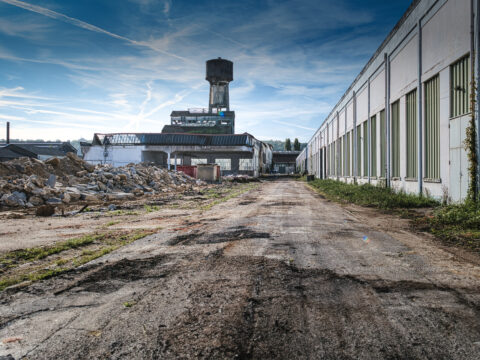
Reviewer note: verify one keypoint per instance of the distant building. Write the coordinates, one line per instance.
(284, 161)
(235, 153)
(38, 150)
(194, 136)
(12, 151)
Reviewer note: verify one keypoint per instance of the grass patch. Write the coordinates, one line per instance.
(38, 253)
(128, 304)
(39, 267)
(122, 212)
(151, 208)
(111, 223)
(371, 196)
(457, 224)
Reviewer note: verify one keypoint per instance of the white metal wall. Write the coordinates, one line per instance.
(429, 38)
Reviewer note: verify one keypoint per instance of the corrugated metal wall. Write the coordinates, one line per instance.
(395, 139)
(365, 148)
(432, 128)
(411, 117)
(373, 139)
(359, 150)
(460, 87)
(348, 157)
(383, 144)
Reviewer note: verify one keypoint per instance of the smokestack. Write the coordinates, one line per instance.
(8, 132)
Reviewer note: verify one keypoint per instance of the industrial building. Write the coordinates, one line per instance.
(402, 122)
(41, 150)
(284, 162)
(194, 136)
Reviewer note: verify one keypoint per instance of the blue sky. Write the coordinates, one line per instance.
(72, 68)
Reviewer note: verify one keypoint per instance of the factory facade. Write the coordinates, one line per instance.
(194, 136)
(402, 122)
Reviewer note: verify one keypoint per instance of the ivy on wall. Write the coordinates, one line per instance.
(471, 144)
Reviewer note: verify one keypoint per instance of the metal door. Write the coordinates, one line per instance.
(458, 159)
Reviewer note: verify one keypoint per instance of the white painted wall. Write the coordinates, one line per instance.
(445, 39)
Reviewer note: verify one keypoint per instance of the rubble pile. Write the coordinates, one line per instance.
(29, 182)
(240, 178)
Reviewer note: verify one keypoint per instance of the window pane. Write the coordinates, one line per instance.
(225, 164)
(432, 129)
(245, 164)
(411, 115)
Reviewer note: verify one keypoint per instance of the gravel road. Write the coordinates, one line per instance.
(277, 273)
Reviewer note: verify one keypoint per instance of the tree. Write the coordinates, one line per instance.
(296, 145)
(288, 145)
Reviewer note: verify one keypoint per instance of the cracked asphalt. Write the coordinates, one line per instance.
(277, 273)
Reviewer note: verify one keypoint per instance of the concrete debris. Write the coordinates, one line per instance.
(240, 178)
(29, 182)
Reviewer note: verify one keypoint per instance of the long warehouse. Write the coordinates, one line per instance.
(402, 122)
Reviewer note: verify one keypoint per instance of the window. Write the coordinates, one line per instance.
(373, 146)
(342, 157)
(365, 148)
(411, 115)
(245, 164)
(332, 158)
(225, 164)
(396, 139)
(383, 144)
(348, 156)
(338, 158)
(460, 87)
(198, 161)
(359, 150)
(432, 129)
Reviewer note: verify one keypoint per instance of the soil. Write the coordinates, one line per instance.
(277, 272)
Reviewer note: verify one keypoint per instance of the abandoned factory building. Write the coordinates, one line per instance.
(194, 136)
(402, 122)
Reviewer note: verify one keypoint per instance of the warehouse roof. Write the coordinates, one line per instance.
(12, 151)
(46, 148)
(244, 139)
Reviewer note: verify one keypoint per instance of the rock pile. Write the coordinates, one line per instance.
(29, 182)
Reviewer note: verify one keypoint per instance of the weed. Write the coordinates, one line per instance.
(128, 304)
(111, 223)
(39, 253)
(371, 196)
(108, 242)
(151, 208)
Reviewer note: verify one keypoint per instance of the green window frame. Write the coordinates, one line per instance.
(365, 148)
(342, 155)
(373, 146)
(432, 128)
(411, 122)
(460, 87)
(383, 144)
(359, 150)
(348, 156)
(395, 130)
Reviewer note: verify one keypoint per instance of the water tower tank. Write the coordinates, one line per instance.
(219, 70)
(219, 74)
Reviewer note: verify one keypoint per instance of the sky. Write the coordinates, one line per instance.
(71, 68)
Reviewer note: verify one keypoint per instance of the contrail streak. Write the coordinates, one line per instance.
(82, 24)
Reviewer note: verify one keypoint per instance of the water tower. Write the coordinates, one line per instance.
(219, 75)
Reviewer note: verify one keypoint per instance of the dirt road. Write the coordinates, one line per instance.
(277, 272)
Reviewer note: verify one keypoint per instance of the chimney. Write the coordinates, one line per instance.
(8, 132)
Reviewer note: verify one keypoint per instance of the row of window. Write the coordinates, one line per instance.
(339, 153)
